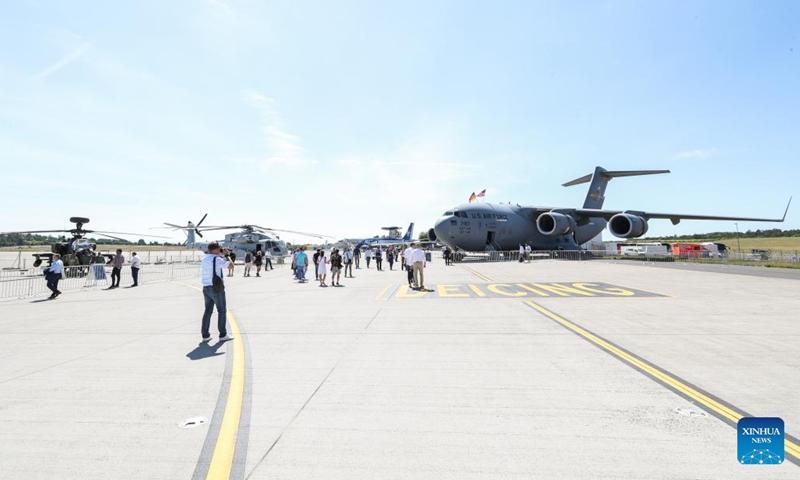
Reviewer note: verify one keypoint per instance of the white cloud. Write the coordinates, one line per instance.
(71, 57)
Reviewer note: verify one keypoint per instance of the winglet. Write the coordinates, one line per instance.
(787, 209)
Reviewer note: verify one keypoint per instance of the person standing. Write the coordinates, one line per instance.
(301, 263)
(357, 258)
(528, 251)
(259, 259)
(368, 255)
(521, 253)
(379, 258)
(117, 261)
(136, 264)
(418, 260)
(322, 268)
(212, 267)
(229, 256)
(248, 263)
(409, 265)
(268, 260)
(336, 267)
(53, 275)
(348, 262)
(233, 262)
(447, 254)
(390, 256)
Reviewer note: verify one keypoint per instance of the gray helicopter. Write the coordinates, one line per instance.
(250, 238)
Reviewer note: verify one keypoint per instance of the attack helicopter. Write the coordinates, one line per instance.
(76, 250)
(250, 238)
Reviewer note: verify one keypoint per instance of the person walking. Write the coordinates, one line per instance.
(336, 267)
(211, 271)
(316, 263)
(447, 255)
(136, 264)
(418, 260)
(528, 251)
(53, 275)
(409, 265)
(322, 268)
(248, 263)
(357, 257)
(368, 255)
(301, 262)
(379, 259)
(521, 253)
(390, 256)
(259, 259)
(230, 257)
(268, 260)
(117, 261)
(232, 254)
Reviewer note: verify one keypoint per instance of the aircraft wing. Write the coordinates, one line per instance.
(675, 218)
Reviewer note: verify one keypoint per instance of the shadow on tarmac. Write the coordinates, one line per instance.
(205, 350)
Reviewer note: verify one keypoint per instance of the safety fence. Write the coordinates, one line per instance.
(31, 282)
(754, 258)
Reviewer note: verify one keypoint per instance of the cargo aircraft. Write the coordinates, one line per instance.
(497, 227)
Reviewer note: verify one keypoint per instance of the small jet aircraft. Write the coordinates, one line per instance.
(251, 238)
(487, 226)
(393, 238)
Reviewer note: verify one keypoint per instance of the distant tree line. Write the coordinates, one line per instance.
(31, 239)
(771, 233)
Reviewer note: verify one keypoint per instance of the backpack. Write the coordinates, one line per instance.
(248, 257)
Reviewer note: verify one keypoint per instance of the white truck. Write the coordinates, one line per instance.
(644, 249)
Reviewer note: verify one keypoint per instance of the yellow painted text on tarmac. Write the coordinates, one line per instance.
(525, 290)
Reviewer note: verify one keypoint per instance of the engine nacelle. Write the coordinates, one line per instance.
(553, 223)
(431, 235)
(625, 225)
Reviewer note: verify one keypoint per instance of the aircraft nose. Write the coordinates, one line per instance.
(439, 228)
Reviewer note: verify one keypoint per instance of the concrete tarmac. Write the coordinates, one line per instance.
(372, 380)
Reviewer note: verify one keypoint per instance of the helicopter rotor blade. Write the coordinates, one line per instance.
(34, 231)
(198, 233)
(317, 235)
(111, 236)
(126, 233)
(201, 220)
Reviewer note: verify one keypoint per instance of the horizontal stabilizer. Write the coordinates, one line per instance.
(614, 174)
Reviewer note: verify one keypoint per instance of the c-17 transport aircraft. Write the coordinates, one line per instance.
(487, 226)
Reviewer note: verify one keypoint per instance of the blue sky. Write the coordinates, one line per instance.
(342, 117)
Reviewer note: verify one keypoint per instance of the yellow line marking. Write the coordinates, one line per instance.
(222, 459)
(378, 297)
(726, 412)
(477, 274)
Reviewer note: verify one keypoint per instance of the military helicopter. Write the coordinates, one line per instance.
(250, 238)
(76, 250)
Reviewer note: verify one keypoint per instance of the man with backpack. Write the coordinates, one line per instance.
(248, 263)
(336, 267)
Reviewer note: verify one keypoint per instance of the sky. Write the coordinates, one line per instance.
(341, 117)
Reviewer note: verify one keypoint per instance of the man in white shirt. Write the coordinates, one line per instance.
(348, 262)
(136, 264)
(521, 253)
(528, 251)
(213, 264)
(407, 263)
(418, 260)
(53, 275)
(268, 260)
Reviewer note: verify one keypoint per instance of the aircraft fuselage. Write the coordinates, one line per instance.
(491, 226)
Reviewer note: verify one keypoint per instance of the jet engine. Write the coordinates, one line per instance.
(625, 225)
(553, 223)
(431, 235)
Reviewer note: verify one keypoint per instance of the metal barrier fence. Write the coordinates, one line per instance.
(31, 282)
(579, 255)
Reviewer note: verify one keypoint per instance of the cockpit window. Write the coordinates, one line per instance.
(447, 213)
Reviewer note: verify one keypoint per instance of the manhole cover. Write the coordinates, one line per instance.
(193, 422)
(691, 412)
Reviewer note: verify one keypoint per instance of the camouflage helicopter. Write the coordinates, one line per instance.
(76, 250)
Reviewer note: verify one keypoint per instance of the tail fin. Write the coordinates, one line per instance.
(409, 233)
(190, 238)
(599, 181)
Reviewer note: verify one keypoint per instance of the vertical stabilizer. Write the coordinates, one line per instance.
(599, 181)
(409, 233)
